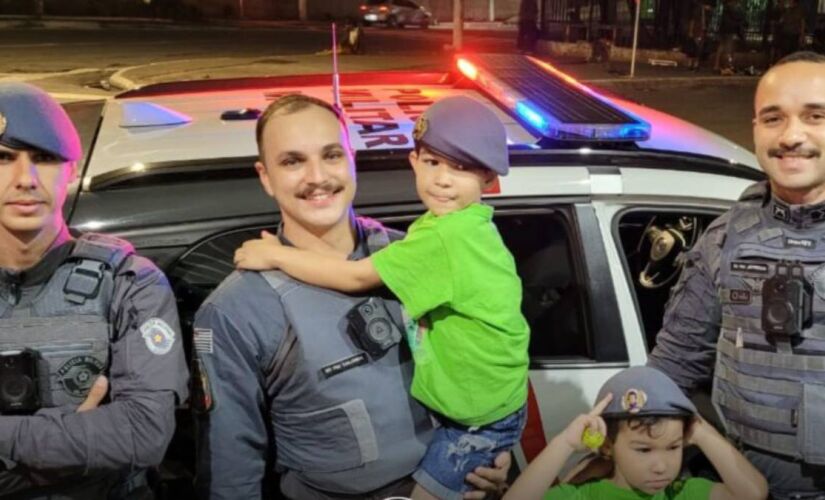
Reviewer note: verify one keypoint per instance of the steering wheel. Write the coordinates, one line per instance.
(666, 244)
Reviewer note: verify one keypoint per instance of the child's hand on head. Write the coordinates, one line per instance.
(259, 255)
(695, 430)
(592, 422)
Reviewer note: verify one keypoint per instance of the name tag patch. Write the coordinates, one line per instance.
(346, 364)
(740, 296)
(749, 267)
(799, 243)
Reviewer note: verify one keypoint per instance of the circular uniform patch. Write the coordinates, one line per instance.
(2, 123)
(78, 374)
(159, 336)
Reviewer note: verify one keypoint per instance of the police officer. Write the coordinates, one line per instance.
(282, 374)
(748, 312)
(73, 310)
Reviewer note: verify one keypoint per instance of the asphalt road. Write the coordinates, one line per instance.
(77, 63)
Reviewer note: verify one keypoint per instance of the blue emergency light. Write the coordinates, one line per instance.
(550, 102)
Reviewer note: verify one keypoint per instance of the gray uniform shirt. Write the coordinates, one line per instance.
(237, 333)
(130, 430)
(686, 345)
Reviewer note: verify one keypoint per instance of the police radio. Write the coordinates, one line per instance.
(372, 327)
(786, 301)
(19, 391)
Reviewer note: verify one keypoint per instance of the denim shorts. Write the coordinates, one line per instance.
(457, 450)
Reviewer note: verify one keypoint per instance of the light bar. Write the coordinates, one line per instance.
(549, 101)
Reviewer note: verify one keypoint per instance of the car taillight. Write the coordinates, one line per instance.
(363, 7)
(383, 8)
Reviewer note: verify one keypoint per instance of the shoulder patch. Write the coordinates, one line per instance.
(159, 336)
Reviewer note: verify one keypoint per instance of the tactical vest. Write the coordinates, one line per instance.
(338, 426)
(770, 389)
(67, 323)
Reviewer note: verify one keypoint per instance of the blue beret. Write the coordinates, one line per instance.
(31, 118)
(465, 131)
(641, 391)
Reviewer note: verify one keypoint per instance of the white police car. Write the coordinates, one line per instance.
(601, 197)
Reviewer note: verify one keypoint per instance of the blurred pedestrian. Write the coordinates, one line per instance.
(731, 26)
(528, 31)
(791, 29)
(697, 32)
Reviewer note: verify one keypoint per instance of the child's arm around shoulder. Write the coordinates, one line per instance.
(315, 268)
(740, 479)
(544, 469)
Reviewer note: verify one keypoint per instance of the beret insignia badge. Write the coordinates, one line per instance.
(634, 400)
(421, 126)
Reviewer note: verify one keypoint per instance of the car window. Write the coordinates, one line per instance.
(651, 241)
(405, 3)
(376, 2)
(554, 298)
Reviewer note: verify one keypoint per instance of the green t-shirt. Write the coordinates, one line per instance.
(695, 488)
(471, 357)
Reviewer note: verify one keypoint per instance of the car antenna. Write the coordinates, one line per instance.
(336, 84)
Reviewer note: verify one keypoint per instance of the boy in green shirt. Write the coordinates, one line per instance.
(648, 421)
(456, 278)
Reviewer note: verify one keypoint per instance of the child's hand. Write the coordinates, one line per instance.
(697, 430)
(572, 435)
(259, 255)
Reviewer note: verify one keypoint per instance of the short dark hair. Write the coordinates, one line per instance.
(287, 105)
(801, 56)
(635, 423)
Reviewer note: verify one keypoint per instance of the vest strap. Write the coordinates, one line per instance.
(84, 281)
(791, 362)
(758, 384)
(784, 444)
(742, 407)
(733, 323)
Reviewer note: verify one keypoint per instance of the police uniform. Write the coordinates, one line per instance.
(284, 387)
(748, 315)
(88, 307)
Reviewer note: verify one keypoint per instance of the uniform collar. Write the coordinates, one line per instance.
(361, 250)
(40, 272)
(799, 216)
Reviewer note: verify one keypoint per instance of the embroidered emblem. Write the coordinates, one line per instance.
(78, 374)
(158, 335)
(345, 364)
(634, 400)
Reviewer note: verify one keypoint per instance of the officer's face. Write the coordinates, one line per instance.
(445, 186)
(33, 187)
(309, 169)
(789, 130)
(648, 459)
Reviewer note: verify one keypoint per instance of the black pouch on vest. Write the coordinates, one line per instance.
(18, 382)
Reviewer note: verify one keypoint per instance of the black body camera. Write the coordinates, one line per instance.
(18, 382)
(786, 301)
(372, 327)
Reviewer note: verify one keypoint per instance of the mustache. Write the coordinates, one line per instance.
(329, 187)
(797, 151)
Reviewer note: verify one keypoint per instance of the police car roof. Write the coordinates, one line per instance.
(191, 121)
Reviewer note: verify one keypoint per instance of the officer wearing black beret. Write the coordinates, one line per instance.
(91, 363)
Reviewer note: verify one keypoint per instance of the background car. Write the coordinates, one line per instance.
(595, 185)
(395, 13)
